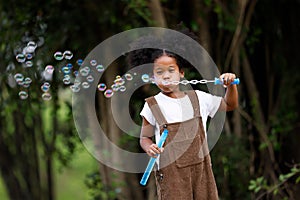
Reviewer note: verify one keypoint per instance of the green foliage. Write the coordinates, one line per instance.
(260, 184)
(230, 159)
(98, 190)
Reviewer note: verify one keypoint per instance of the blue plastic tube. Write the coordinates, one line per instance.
(152, 160)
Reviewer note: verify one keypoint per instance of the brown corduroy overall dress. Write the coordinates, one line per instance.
(185, 166)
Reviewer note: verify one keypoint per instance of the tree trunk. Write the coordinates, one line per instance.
(157, 13)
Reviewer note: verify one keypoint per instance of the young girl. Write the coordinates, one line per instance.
(184, 166)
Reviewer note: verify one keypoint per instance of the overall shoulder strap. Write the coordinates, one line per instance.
(195, 102)
(156, 111)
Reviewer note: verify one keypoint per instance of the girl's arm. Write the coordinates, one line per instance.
(230, 100)
(146, 139)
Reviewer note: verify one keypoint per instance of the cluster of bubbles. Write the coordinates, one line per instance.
(69, 73)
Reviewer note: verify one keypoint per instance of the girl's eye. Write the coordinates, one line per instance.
(171, 70)
(159, 72)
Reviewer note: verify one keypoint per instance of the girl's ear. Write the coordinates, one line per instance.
(181, 73)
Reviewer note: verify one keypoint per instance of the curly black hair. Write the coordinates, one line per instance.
(145, 55)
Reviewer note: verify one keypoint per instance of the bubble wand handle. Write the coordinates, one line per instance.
(152, 160)
(220, 82)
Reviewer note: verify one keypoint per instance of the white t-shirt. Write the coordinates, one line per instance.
(181, 109)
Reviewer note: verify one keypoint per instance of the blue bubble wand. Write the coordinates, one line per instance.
(152, 160)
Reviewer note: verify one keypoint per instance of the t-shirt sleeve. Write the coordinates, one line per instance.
(147, 114)
(209, 103)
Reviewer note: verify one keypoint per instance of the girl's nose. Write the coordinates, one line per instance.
(166, 75)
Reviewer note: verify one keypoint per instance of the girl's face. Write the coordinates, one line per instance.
(166, 70)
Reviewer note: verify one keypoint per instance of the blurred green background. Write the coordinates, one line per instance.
(41, 155)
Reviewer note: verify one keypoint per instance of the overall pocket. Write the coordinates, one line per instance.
(187, 152)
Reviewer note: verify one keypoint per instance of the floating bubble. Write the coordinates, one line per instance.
(115, 87)
(21, 58)
(58, 55)
(101, 87)
(79, 62)
(28, 50)
(31, 46)
(29, 56)
(67, 80)
(85, 85)
(128, 77)
(11, 81)
(49, 69)
(145, 78)
(23, 95)
(68, 55)
(66, 70)
(28, 63)
(69, 65)
(77, 82)
(27, 80)
(45, 87)
(11, 66)
(76, 73)
(119, 81)
(85, 71)
(90, 78)
(46, 96)
(93, 63)
(75, 88)
(108, 93)
(26, 85)
(122, 88)
(19, 77)
(100, 68)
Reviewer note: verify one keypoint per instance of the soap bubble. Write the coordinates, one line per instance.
(108, 93)
(100, 68)
(28, 63)
(49, 69)
(21, 58)
(46, 96)
(101, 87)
(67, 80)
(85, 85)
(79, 62)
(66, 70)
(23, 95)
(11, 66)
(75, 88)
(29, 56)
(122, 88)
(68, 55)
(19, 77)
(119, 81)
(85, 71)
(45, 87)
(31, 46)
(93, 63)
(145, 78)
(128, 77)
(76, 73)
(115, 87)
(58, 55)
(69, 65)
(90, 78)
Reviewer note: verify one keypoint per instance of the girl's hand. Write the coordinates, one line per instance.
(227, 78)
(153, 150)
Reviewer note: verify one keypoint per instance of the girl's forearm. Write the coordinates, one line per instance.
(231, 97)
